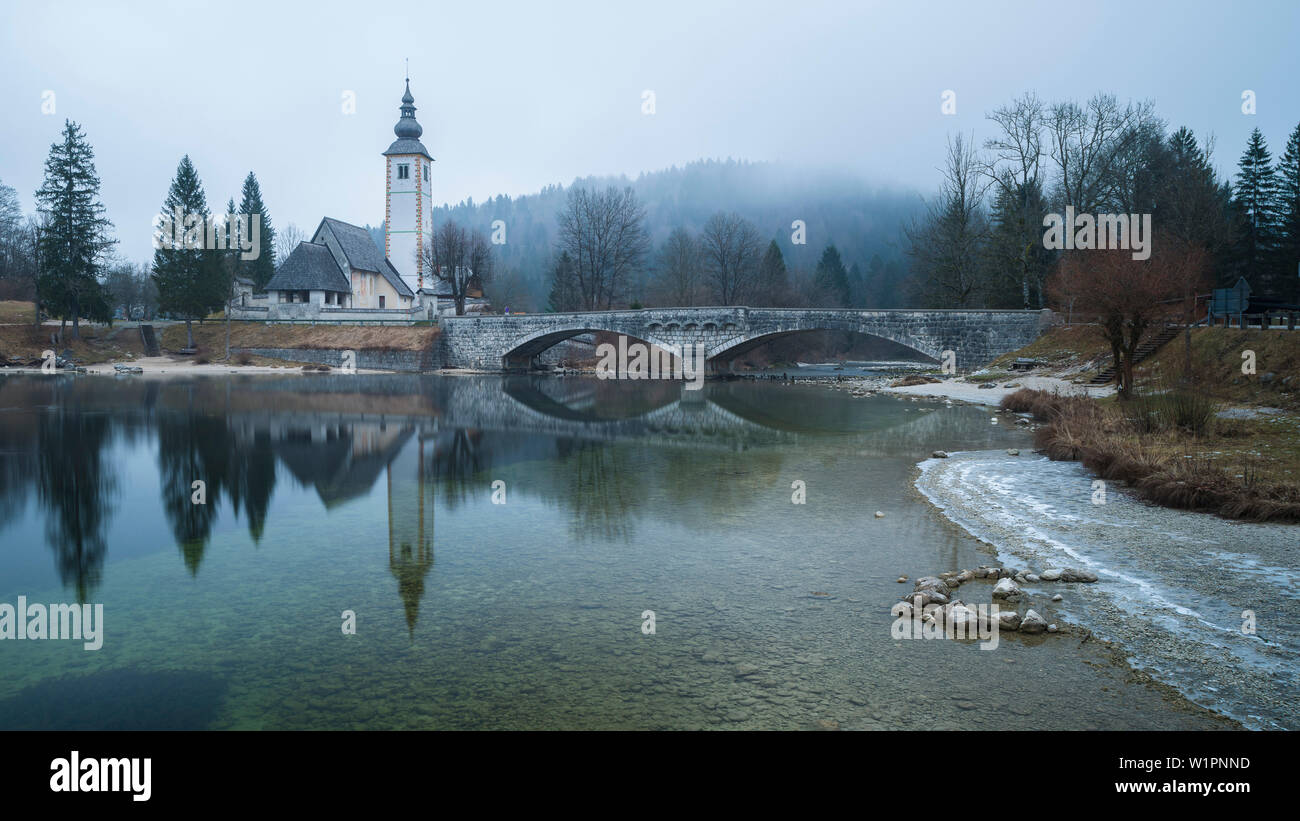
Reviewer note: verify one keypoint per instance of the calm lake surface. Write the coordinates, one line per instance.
(374, 494)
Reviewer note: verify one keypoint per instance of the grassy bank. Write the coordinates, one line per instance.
(211, 337)
(1173, 449)
(23, 343)
(1216, 360)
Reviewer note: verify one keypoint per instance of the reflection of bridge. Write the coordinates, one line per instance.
(691, 420)
(730, 416)
(504, 342)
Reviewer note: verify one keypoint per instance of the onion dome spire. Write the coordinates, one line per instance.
(407, 127)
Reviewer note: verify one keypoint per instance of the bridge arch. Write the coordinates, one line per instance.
(736, 346)
(520, 352)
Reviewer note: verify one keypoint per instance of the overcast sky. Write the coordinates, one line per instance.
(514, 96)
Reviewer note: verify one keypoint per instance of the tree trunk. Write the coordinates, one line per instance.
(189, 334)
(1117, 362)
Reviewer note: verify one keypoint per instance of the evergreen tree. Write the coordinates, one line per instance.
(857, 287)
(74, 235)
(188, 275)
(1288, 246)
(773, 281)
(831, 281)
(565, 294)
(1191, 203)
(1257, 200)
(261, 268)
(1016, 260)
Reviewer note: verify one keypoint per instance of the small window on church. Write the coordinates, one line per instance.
(426, 173)
(403, 172)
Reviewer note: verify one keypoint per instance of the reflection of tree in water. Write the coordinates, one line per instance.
(603, 489)
(457, 464)
(75, 491)
(195, 445)
(19, 440)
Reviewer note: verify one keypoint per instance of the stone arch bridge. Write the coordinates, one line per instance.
(514, 342)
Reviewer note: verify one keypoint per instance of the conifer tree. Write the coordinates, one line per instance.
(74, 235)
(831, 280)
(1288, 245)
(188, 274)
(261, 268)
(1256, 200)
(773, 280)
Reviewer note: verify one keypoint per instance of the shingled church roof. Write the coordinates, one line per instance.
(311, 267)
(360, 252)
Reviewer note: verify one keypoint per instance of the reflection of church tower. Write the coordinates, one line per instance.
(410, 529)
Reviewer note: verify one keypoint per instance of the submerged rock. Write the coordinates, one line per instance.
(1071, 575)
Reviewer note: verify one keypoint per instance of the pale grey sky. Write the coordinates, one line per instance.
(516, 95)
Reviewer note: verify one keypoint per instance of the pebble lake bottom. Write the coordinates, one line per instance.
(373, 494)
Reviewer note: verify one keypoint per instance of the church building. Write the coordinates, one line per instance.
(341, 274)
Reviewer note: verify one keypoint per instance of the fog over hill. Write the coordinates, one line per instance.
(861, 219)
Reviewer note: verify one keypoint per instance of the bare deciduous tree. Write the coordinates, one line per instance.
(604, 235)
(459, 258)
(945, 243)
(732, 249)
(287, 239)
(1091, 145)
(1126, 298)
(678, 277)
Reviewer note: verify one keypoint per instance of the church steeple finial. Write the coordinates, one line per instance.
(407, 127)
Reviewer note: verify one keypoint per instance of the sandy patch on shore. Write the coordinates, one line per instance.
(971, 392)
(166, 366)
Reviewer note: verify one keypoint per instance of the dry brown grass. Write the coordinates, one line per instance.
(913, 379)
(23, 343)
(14, 312)
(1216, 365)
(1062, 347)
(1168, 467)
(316, 337)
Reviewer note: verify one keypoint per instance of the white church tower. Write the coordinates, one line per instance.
(408, 202)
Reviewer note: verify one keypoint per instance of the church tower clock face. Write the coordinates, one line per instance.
(408, 201)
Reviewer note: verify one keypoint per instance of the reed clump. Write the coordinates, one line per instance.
(1153, 444)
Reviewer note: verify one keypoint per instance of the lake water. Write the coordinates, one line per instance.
(375, 494)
